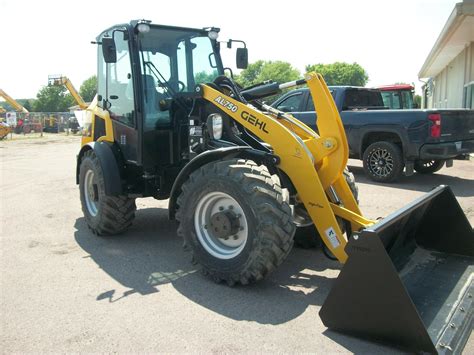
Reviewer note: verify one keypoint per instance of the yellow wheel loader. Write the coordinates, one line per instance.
(241, 176)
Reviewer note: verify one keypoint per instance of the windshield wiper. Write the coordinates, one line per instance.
(164, 84)
(161, 80)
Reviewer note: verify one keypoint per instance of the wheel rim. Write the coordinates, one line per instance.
(427, 163)
(381, 162)
(212, 213)
(91, 193)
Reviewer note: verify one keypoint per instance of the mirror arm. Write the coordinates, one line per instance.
(229, 43)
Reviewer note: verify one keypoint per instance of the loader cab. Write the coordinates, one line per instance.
(147, 75)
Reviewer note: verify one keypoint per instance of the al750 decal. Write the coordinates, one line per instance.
(225, 103)
(245, 115)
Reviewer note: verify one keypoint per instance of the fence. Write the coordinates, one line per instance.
(50, 122)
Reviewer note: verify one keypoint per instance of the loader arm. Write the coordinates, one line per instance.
(63, 80)
(306, 156)
(18, 107)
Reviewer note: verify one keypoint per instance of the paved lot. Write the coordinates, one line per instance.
(65, 290)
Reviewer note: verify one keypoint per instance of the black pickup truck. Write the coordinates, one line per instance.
(389, 141)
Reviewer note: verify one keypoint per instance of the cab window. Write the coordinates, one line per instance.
(115, 85)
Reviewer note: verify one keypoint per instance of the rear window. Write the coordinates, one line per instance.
(356, 98)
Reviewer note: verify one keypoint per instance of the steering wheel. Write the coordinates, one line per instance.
(181, 86)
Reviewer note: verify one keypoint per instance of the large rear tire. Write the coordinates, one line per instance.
(307, 237)
(234, 219)
(105, 215)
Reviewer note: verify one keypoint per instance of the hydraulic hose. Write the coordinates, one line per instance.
(266, 90)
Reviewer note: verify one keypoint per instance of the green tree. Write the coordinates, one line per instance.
(417, 100)
(88, 89)
(27, 105)
(248, 77)
(341, 73)
(205, 77)
(53, 99)
(259, 71)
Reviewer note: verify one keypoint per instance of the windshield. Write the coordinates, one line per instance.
(176, 60)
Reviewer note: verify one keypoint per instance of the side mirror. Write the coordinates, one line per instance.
(108, 50)
(242, 58)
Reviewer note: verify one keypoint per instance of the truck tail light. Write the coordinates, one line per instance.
(435, 130)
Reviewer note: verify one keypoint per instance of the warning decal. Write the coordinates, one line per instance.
(332, 236)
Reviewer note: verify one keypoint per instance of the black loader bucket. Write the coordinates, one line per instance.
(408, 280)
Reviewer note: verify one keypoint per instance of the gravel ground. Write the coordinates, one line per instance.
(65, 290)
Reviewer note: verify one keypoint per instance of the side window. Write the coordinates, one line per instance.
(204, 62)
(291, 103)
(310, 105)
(468, 99)
(356, 99)
(101, 77)
(391, 99)
(407, 99)
(120, 85)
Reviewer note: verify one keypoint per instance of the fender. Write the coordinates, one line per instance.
(108, 163)
(368, 130)
(243, 152)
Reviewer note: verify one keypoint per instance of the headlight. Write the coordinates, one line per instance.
(213, 34)
(143, 28)
(214, 123)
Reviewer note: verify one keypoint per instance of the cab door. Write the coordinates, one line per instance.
(116, 95)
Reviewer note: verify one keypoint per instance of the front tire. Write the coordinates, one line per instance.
(234, 219)
(428, 166)
(383, 161)
(105, 215)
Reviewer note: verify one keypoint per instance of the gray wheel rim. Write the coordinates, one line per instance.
(90, 193)
(381, 162)
(427, 163)
(220, 248)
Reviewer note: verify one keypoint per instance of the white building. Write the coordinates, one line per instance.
(449, 69)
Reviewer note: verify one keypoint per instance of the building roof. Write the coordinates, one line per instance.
(457, 33)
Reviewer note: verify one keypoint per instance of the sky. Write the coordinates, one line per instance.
(390, 39)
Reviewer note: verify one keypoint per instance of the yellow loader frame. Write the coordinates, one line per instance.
(314, 163)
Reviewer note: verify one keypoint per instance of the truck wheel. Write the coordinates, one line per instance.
(428, 166)
(235, 221)
(383, 161)
(307, 237)
(105, 215)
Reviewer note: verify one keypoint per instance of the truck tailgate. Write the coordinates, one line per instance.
(456, 125)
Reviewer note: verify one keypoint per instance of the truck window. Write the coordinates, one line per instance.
(356, 98)
(310, 104)
(391, 99)
(291, 103)
(407, 97)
